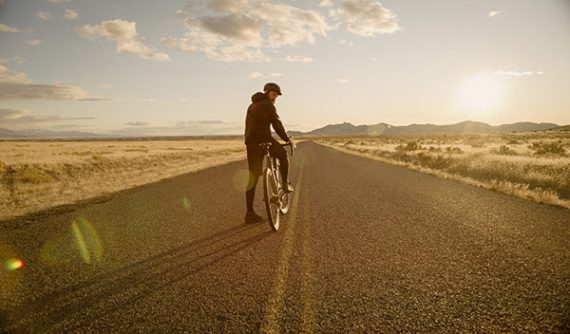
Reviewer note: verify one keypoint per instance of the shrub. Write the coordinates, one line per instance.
(504, 150)
(476, 142)
(410, 146)
(453, 149)
(434, 149)
(32, 174)
(542, 148)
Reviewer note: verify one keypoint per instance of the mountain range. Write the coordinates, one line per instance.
(342, 129)
(38, 133)
(467, 127)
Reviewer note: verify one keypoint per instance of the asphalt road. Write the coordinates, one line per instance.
(367, 247)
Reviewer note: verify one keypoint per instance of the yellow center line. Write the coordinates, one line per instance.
(274, 306)
(307, 280)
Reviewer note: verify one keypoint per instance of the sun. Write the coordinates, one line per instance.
(481, 92)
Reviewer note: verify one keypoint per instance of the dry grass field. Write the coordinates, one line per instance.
(36, 175)
(534, 165)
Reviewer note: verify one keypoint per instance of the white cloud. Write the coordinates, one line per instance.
(242, 30)
(43, 15)
(12, 114)
(494, 13)
(368, 18)
(8, 76)
(334, 13)
(138, 123)
(214, 47)
(230, 6)
(70, 14)
(299, 59)
(124, 33)
(34, 42)
(343, 81)
(5, 28)
(17, 86)
(184, 128)
(153, 100)
(512, 74)
(345, 42)
(233, 26)
(326, 3)
(29, 91)
(290, 25)
(23, 117)
(255, 75)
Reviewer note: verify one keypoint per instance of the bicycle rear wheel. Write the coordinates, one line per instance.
(270, 193)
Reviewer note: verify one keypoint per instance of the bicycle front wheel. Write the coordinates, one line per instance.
(270, 194)
(285, 202)
(284, 198)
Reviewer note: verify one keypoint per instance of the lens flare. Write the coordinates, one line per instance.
(87, 241)
(13, 264)
(186, 203)
(11, 279)
(81, 244)
(242, 180)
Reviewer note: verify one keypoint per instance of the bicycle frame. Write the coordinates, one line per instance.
(277, 201)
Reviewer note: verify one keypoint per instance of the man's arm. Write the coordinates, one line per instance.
(277, 124)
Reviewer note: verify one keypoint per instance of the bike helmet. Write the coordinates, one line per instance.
(271, 86)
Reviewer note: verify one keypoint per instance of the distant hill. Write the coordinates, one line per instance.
(525, 126)
(5, 133)
(467, 127)
(37, 133)
(342, 129)
(563, 128)
(345, 129)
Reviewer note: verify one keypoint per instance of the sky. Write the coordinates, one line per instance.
(148, 67)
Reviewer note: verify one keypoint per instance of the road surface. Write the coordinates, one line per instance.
(367, 247)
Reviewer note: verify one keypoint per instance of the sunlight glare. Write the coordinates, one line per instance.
(481, 92)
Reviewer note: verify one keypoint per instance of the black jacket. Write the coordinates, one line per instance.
(260, 115)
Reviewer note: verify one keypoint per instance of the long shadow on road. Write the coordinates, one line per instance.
(110, 291)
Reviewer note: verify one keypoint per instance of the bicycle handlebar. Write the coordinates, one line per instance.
(266, 146)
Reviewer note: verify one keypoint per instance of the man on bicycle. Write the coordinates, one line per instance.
(260, 115)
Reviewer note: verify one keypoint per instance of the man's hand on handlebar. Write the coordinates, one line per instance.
(292, 143)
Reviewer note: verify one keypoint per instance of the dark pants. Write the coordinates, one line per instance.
(255, 155)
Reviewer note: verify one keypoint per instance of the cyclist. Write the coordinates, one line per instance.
(260, 115)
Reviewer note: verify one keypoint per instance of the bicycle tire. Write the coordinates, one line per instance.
(284, 198)
(285, 203)
(270, 191)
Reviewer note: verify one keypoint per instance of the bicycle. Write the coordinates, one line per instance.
(277, 201)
